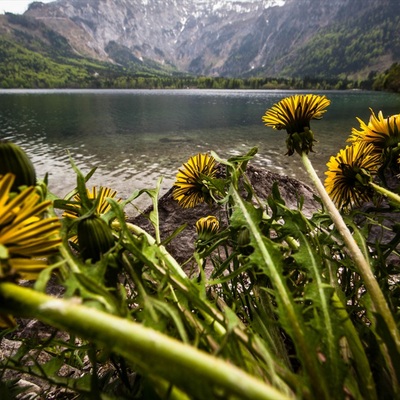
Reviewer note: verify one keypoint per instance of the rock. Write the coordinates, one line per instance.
(172, 216)
(30, 390)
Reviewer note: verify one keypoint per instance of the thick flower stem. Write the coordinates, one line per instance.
(364, 269)
(387, 193)
(152, 353)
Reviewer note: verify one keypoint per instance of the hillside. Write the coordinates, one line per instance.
(118, 43)
(234, 38)
(34, 55)
(360, 41)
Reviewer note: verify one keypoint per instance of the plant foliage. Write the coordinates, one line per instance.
(275, 306)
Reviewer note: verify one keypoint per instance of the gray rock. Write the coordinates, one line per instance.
(172, 216)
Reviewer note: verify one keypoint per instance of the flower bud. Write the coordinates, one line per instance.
(95, 238)
(14, 160)
(206, 228)
(243, 242)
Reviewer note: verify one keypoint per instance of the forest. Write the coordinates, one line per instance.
(23, 68)
(35, 56)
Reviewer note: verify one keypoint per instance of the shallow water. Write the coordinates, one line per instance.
(134, 137)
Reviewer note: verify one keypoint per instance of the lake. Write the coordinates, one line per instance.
(135, 136)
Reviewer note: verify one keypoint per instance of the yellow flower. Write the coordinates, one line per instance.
(294, 114)
(98, 195)
(382, 133)
(207, 227)
(349, 173)
(190, 188)
(26, 237)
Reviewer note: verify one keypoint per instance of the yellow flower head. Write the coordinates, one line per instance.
(100, 196)
(294, 114)
(207, 227)
(26, 237)
(382, 133)
(349, 173)
(189, 187)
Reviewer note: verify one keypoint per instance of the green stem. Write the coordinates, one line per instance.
(356, 254)
(152, 352)
(70, 261)
(389, 194)
(136, 230)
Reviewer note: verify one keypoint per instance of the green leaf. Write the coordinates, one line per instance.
(94, 293)
(45, 276)
(52, 367)
(318, 290)
(240, 219)
(267, 257)
(174, 234)
(153, 216)
(365, 381)
(385, 336)
(169, 311)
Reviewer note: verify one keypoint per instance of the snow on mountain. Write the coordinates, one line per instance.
(208, 37)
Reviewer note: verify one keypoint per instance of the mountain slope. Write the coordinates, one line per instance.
(232, 38)
(358, 41)
(34, 55)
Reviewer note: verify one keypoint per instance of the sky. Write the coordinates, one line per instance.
(17, 6)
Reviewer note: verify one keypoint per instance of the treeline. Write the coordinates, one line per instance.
(389, 81)
(348, 47)
(132, 82)
(22, 68)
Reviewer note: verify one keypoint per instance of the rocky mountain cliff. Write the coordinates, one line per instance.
(233, 38)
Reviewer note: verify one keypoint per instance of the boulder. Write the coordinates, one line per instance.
(172, 216)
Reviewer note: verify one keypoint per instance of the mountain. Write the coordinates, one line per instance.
(169, 32)
(74, 42)
(34, 55)
(233, 38)
(351, 38)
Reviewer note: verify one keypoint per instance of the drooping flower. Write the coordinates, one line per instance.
(93, 235)
(294, 114)
(27, 238)
(207, 227)
(99, 195)
(383, 133)
(190, 187)
(349, 173)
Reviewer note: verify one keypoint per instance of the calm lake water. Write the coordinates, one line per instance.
(134, 137)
